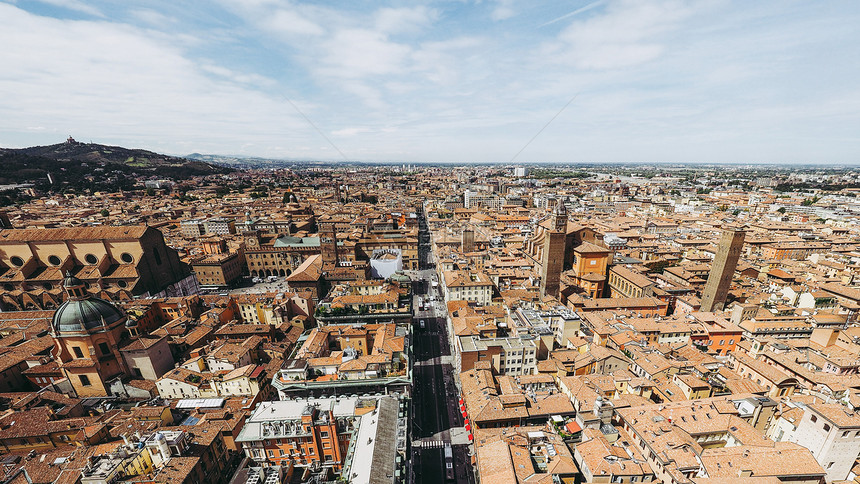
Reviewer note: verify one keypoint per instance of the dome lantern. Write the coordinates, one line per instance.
(74, 287)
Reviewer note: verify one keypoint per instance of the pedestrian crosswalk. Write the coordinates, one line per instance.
(428, 444)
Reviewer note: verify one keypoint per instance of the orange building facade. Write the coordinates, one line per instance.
(301, 433)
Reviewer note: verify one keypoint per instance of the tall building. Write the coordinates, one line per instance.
(468, 243)
(720, 277)
(553, 252)
(328, 243)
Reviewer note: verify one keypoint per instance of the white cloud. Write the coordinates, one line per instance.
(357, 53)
(351, 131)
(131, 87)
(404, 20)
(75, 5)
(153, 18)
(292, 23)
(576, 12)
(503, 10)
(660, 79)
(628, 33)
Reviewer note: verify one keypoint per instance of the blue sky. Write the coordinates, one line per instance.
(459, 81)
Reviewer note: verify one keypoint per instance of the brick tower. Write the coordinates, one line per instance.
(553, 252)
(720, 277)
(328, 243)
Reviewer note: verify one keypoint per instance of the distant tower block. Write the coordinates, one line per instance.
(553, 252)
(720, 277)
(468, 244)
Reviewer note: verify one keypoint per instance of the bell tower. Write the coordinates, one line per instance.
(328, 243)
(559, 217)
(552, 262)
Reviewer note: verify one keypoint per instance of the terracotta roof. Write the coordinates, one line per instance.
(76, 233)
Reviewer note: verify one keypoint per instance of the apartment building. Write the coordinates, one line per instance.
(793, 251)
(309, 433)
(220, 225)
(712, 441)
(507, 356)
(192, 228)
(831, 431)
(475, 287)
(624, 282)
(219, 270)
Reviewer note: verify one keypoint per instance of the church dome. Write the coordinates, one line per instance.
(85, 315)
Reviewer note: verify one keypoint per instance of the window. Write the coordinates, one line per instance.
(826, 428)
(103, 347)
(813, 418)
(156, 255)
(91, 259)
(54, 260)
(78, 352)
(16, 261)
(85, 380)
(126, 257)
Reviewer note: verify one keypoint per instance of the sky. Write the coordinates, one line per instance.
(455, 81)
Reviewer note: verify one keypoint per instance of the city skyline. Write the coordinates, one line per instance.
(439, 82)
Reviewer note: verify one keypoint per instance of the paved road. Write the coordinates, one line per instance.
(435, 396)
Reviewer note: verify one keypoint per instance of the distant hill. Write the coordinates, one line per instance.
(242, 162)
(69, 162)
(252, 162)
